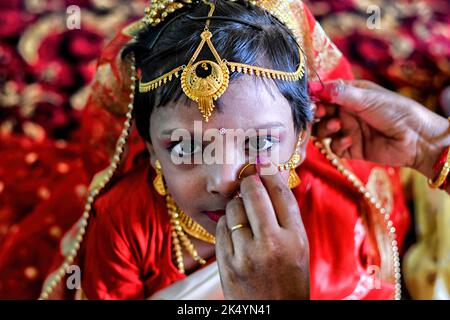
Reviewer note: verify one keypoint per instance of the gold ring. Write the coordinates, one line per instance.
(238, 226)
(243, 169)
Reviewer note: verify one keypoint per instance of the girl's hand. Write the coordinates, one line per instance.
(371, 123)
(269, 257)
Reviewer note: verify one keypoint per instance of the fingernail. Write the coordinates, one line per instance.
(347, 141)
(314, 87)
(320, 111)
(256, 177)
(334, 125)
(331, 90)
(262, 162)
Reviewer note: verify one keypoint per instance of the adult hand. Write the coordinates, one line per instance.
(371, 123)
(268, 258)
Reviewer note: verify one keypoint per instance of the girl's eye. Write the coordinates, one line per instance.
(260, 143)
(185, 148)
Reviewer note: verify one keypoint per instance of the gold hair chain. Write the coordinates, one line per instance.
(205, 81)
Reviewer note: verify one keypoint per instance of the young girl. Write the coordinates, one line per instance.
(155, 228)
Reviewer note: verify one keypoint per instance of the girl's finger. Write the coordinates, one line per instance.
(238, 224)
(224, 244)
(282, 198)
(258, 206)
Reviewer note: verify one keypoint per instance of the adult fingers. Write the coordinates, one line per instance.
(282, 198)
(236, 217)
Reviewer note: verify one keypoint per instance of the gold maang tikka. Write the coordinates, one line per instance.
(205, 81)
(183, 225)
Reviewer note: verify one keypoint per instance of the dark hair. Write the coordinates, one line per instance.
(272, 46)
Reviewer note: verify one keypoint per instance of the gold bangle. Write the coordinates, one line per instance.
(443, 173)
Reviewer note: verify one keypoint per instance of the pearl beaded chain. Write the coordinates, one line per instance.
(347, 173)
(59, 274)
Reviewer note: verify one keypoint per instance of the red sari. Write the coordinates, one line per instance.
(127, 250)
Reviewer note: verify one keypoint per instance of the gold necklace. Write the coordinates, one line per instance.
(181, 224)
(194, 229)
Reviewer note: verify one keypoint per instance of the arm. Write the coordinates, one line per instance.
(371, 123)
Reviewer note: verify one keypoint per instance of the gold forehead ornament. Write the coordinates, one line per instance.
(205, 81)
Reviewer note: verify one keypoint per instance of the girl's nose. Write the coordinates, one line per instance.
(223, 179)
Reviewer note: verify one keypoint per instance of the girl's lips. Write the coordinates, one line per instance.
(215, 215)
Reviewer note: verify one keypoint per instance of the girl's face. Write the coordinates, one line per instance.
(202, 190)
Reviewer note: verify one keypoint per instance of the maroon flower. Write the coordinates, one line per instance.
(13, 22)
(51, 47)
(84, 45)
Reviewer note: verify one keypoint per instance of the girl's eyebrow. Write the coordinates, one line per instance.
(268, 125)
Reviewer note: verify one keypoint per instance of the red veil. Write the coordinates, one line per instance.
(346, 233)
